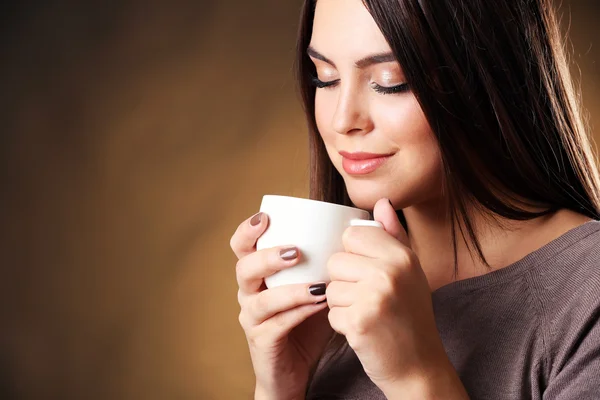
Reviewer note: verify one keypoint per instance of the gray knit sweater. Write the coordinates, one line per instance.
(527, 331)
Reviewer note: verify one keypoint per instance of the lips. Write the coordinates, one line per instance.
(362, 163)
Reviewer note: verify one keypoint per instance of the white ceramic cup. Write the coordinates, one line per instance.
(314, 227)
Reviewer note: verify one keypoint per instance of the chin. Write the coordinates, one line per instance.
(364, 194)
(366, 197)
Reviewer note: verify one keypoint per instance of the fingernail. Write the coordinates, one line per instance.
(321, 302)
(288, 254)
(256, 219)
(318, 289)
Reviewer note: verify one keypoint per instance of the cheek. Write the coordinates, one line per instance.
(403, 123)
(416, 173)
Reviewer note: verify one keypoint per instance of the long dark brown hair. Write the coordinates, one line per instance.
(492, 79)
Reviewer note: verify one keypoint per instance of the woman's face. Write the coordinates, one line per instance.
(362, 105)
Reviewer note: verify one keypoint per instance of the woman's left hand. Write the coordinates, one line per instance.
(379, 298)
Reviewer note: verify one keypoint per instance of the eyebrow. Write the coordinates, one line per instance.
(362, 63)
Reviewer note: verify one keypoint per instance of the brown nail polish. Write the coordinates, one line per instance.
(256, 219)
(321, 302)
(288, 254)
(318, 289)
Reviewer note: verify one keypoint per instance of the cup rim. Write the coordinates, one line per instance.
(316, 201)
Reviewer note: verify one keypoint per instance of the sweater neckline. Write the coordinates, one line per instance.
(532, 260)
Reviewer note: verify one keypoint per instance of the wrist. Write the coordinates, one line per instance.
(261, 393)
(437, 383)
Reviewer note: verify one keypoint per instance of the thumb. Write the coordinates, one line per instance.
(384, 212)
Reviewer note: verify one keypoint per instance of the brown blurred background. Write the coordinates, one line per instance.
(136, 135)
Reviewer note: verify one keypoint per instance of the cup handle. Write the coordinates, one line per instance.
(365, 222)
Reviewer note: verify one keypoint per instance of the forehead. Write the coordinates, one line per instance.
(344, 29)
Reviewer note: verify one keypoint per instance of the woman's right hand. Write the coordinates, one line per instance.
(285, 327)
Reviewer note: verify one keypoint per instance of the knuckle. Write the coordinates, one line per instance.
(233, 242)
(333, 261)
(330, 289)
(332, 318)
(240, 271)
(238, 266)
(353, 341)
(334, 290)
(386, 283)
(404, 258)
(243, 320)
(350, 236)
(236, 240)
(261, 303)
(378, 303)
(381, 276)
(357, 324)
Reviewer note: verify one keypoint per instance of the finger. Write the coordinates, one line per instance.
(243, 241)
(372, 242)
(283, 298)
(280, 325)
(385, 213)
(338, 319)
(254, 267)
(348, 267)
(341, 294)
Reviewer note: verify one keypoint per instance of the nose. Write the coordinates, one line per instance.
(352, 113)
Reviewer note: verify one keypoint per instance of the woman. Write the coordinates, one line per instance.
(456, 123)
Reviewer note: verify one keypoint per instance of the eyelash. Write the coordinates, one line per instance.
(403, 87)
(322, 84)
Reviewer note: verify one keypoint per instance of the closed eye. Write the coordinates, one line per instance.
(403, 87)
(323, 84)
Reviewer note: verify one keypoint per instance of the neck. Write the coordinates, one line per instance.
(502, 243)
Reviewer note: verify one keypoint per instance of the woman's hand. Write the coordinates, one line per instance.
(380, 300)
(285, 330)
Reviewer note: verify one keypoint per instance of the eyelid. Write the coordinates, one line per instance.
(396, 89)
(389, 78)
(323, 84)
(328, 72)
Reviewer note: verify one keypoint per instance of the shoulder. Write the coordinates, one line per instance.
(567, 285)
(573, 269)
